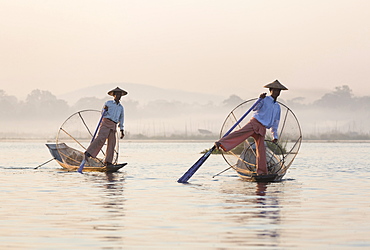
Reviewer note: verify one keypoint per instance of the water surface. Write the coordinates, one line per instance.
(323, 201)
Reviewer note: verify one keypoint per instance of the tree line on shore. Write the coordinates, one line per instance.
(336, 115)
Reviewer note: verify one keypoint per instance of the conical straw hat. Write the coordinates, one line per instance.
(276, 85)
(117, 90)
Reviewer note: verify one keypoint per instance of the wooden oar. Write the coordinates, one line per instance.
(196, 166)
(82, 165)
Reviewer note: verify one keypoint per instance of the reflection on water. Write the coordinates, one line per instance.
(256, 210)
(112, 203)
(321, 202)
(57, 209)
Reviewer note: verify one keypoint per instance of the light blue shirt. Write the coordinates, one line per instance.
(115, 112)
(268, 114)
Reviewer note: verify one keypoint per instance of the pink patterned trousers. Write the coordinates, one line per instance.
(252, 129)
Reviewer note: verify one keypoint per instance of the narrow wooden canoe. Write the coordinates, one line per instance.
(252, 176)
(246, 166)
(70, 159)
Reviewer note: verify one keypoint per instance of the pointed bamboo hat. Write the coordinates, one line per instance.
(117, 90)
(276, 85)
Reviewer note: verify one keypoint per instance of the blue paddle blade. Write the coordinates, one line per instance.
(195, 167)
(82, 165)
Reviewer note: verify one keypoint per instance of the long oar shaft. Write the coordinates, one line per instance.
(242, 118)
(196, 166)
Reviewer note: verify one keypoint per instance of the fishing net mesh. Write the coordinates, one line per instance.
(279, 156)
(74, 137)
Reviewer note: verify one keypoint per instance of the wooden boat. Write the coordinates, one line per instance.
(246, 166)
(279, 156)
(70, 159)
(252, 176)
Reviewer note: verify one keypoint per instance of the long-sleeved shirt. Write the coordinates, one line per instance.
(268, 114)
(115, 112)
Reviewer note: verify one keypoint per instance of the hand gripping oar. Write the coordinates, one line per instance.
(82, 165)
(196, 166)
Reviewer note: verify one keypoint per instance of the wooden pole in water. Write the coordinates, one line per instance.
(44, 163)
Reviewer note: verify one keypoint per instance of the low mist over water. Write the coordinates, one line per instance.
(170, 113)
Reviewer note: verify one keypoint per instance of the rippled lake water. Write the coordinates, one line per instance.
(323, 201)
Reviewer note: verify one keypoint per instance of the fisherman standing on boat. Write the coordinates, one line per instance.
(267, 116)
(114, 114)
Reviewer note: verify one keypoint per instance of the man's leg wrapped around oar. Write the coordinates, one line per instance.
(252, 129)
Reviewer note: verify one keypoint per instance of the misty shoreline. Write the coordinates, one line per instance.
(338, 115)
(48, 140)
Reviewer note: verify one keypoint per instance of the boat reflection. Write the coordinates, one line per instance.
(255, 208)
(111, 206)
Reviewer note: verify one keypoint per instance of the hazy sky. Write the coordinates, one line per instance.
(214, 46)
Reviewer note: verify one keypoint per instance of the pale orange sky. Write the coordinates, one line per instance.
(210, 46)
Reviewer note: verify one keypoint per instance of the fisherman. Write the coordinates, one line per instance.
(267, 116)
(114, 114)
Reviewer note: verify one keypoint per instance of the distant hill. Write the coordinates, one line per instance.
(142, 93)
